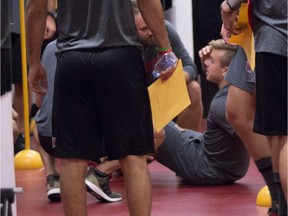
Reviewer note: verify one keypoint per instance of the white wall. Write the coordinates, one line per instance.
(7, 150)
(181, 17)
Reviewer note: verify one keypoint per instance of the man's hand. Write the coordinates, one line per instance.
(165, 75)
(166, 64)
(158, 138)
(229, 19)
(50, 28)
(37, 79)
(204, 54)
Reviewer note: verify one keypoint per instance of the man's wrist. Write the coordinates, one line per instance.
(163, 49)
(53, 14)
(233, 4)
(225, 8)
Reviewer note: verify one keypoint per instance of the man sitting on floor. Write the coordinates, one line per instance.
(217, 156)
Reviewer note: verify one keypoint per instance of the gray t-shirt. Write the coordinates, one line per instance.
(218, 156)
(225, 151)
(269, 23)
(43, 118)
(107, 24)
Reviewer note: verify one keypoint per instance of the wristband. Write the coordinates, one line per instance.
(163, 49)
(53, 14)
(164, 52)
(226, 12)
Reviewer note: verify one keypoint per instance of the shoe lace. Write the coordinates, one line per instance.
(103, 183)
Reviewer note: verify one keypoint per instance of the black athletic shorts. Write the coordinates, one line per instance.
(46, 143)
(101, 104)
(271, 94)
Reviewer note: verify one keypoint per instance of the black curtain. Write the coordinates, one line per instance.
(5, 47)
(206, 26)
(166, 4)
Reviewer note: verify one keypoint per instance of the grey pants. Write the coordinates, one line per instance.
(182, 151)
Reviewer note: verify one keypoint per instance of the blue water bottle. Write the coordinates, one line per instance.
(167, 60)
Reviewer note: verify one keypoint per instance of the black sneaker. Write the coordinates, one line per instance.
(97, 184)
(53, 187)
(19, 144)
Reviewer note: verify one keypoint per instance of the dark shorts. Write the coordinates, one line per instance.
(46, 143)
(16, 58)
(271, 94)
(101, 104)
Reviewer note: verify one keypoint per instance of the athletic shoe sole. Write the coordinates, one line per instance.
(99, 194)
(54, 195)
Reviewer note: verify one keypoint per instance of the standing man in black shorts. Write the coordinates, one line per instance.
(269, 23)
(100, 90)
(50, 29)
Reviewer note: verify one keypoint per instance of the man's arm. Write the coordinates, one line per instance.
(181, 52)
(152, 13)
(36, 14)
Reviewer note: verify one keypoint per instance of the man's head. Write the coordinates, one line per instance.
(217, 63)
(145, 35)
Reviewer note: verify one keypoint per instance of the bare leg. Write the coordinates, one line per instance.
(48, 160)
(137, 184)
(15, 123)
(18, 105)
(283, 166)
(73, 189)
(108, 167)
(240, 114)
(191, 117)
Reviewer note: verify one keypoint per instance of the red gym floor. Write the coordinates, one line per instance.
(170, 196)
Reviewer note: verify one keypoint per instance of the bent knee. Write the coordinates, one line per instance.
(194, 91)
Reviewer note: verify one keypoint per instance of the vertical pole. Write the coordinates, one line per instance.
(24, 75)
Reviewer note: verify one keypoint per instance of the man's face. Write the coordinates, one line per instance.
(145, 35)
(214, 70)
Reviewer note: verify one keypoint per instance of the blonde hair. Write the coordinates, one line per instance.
(220, 44)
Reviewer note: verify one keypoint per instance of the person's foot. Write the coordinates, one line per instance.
(53, 187)
(97, 184)
(19, 144)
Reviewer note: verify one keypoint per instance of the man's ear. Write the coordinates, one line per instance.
(225, 70)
